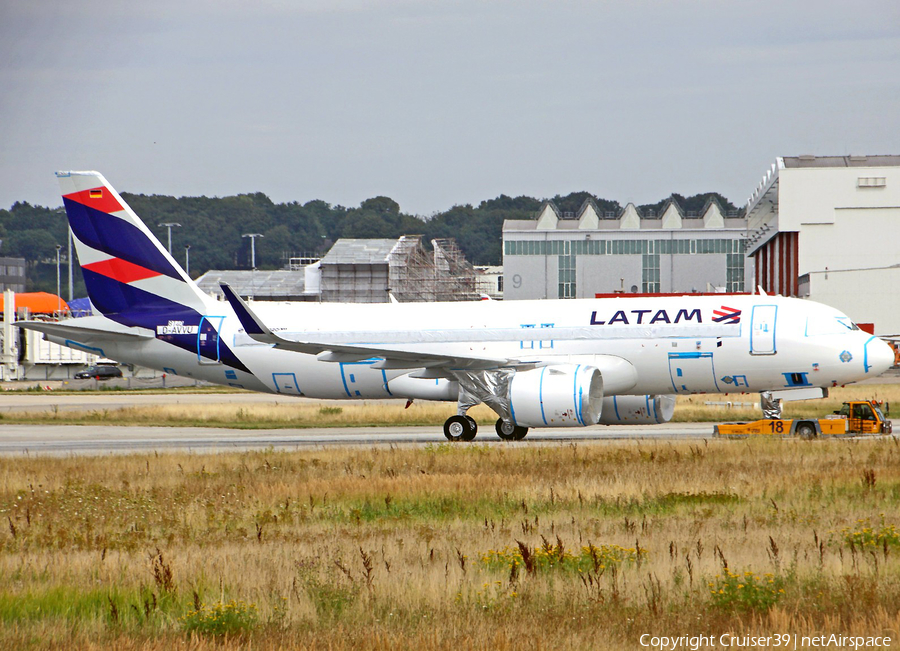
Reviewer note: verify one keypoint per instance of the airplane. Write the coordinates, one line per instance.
(535, 363)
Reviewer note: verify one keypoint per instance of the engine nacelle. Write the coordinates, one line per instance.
(563, 395)
(637, 410)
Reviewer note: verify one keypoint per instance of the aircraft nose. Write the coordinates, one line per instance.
(880, 356)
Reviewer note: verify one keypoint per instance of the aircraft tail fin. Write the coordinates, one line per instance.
(126, 270)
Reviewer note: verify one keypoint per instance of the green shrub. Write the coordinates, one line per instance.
(233, 618)
(865, 535)
(746, 591)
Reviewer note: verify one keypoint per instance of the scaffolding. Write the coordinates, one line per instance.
(455, 277)
(443, 275)
(377, 271)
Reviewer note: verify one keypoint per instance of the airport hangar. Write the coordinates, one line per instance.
(818, 227)
(592, 252)
(826, 228)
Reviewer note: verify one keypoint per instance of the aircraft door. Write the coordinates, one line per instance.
(286, 383)
(208, 339)
(762, 329)
(692, 372)
(362, 381)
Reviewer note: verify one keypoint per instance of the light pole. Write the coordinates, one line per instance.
(187, 259)
(58, 297)
(62, 211)
(169, 226)
(252, 237)
(69, 261)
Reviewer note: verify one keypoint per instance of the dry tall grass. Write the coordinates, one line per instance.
(287, 413)
(397, 547)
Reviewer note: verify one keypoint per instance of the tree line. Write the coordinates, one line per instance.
(213, 227)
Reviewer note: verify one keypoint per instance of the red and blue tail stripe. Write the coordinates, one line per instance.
(129, 276)
(107, 233)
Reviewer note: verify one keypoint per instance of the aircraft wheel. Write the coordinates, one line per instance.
(509, 431)
(474, 427)
(806, 431)
(459, 428)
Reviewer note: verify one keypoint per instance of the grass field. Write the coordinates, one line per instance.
(298, 414)
(446, 546)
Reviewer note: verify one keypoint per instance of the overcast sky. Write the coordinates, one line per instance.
(435, 102)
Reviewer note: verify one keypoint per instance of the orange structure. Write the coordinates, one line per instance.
(38, 303)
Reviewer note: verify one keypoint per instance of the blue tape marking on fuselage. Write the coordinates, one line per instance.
(215, 331)
(866, 365)
(76, 344)
(131, 306)
(344, 380)
(541, 394)
(616, 408)
(292, 376)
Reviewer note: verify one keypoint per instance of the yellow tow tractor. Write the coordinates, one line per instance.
(854, 418)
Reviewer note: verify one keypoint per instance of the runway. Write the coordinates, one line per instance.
(51, 401)
(98, 440)
(67, 440)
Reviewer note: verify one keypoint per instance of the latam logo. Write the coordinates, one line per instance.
(727, 315)
(177, 328)
(642, 317)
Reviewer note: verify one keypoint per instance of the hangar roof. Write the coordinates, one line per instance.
(280, 283)
(352, 251)
(792, 162)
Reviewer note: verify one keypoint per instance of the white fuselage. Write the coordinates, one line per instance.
(642, 345)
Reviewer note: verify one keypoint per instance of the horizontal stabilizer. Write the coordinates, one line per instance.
(87, 329)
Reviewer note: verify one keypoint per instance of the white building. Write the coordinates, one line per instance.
(594, 252)
(489, 281)
(826, 228)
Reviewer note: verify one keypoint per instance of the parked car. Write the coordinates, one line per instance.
(101, 372)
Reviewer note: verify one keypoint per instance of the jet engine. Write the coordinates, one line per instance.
(637, 410)
(563, 395)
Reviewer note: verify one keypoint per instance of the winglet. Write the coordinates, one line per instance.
(252, 324)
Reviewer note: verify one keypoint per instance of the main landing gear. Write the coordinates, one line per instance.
(509, 431)
(490, 387)
(464, 428)
(460, 428)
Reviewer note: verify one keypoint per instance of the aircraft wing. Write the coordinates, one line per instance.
(395, 356)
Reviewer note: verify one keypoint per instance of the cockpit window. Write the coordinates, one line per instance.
(829, 325)
(847, 323)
